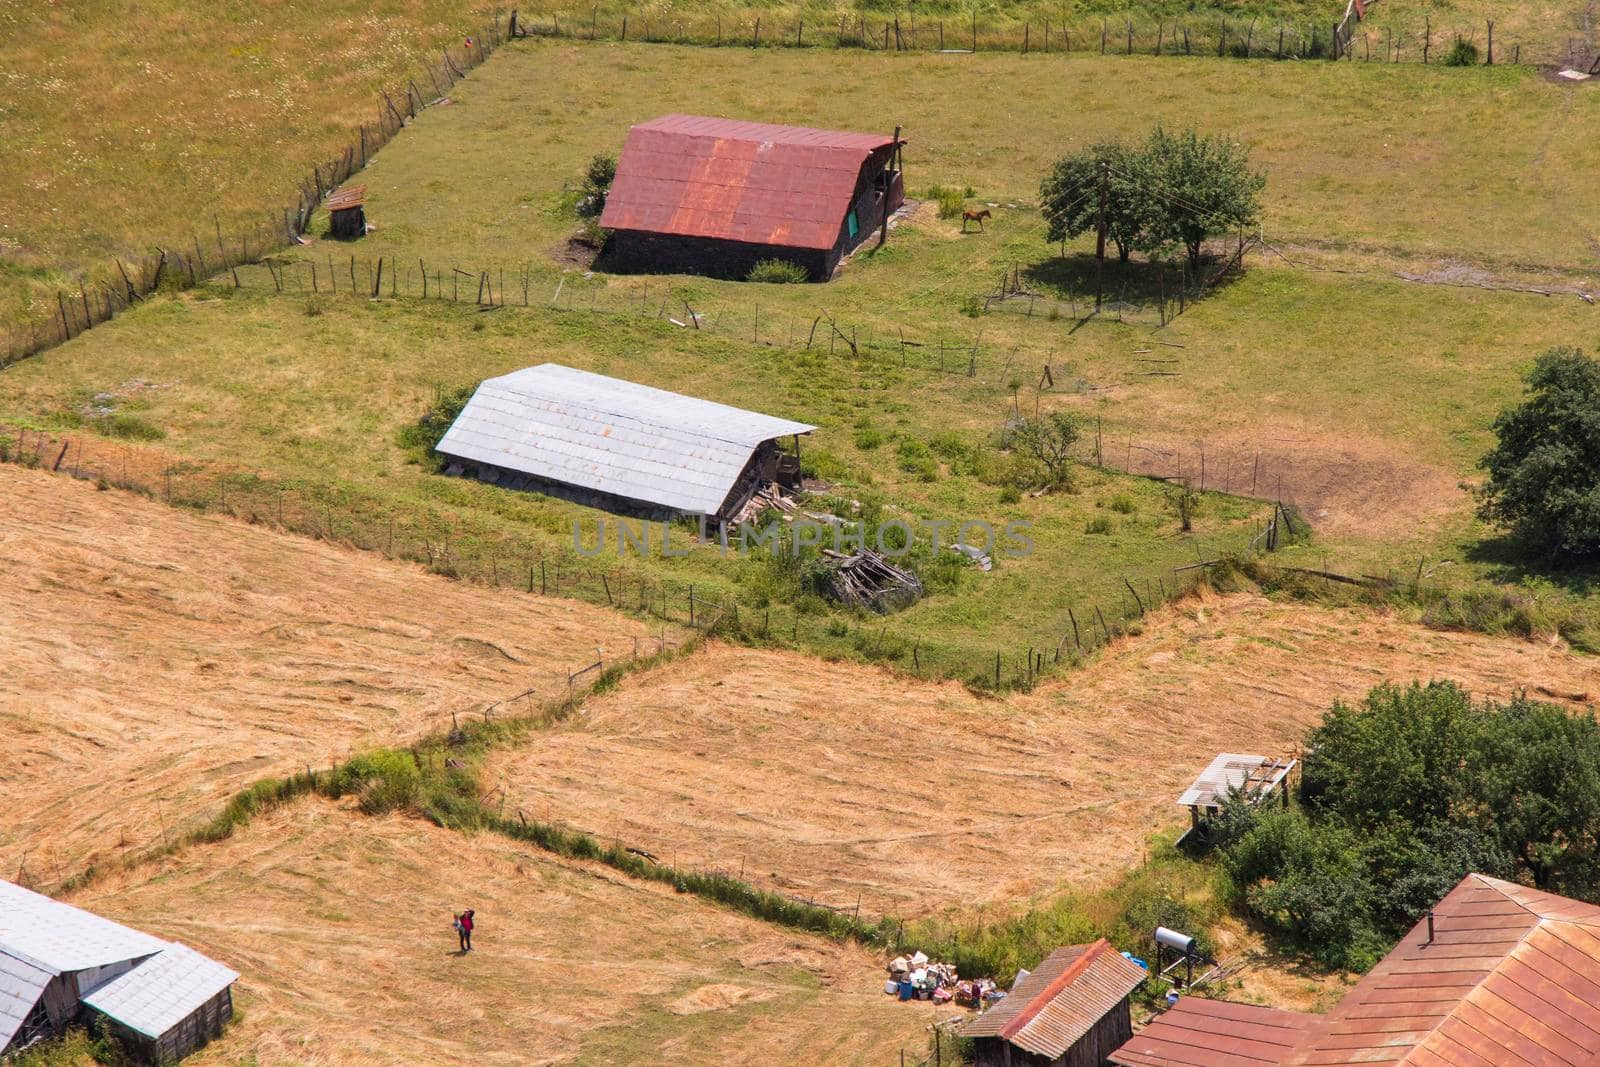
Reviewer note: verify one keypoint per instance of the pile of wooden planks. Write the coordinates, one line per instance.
(867, 579)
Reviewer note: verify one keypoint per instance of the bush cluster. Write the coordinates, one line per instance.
(1404, 795)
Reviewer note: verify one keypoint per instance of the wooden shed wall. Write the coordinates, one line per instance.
(1093, 1049)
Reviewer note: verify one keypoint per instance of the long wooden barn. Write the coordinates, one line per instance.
(619, 445)
(59, 964)
(697, 195)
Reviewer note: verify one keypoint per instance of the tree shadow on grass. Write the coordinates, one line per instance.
(1511, 559)
(1137, 281)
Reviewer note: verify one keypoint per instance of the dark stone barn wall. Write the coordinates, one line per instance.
(657, 253)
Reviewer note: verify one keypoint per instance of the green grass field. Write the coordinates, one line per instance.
(128, 125)
(1395, 381)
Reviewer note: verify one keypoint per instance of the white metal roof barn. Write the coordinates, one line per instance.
(613, 443)
(163, 998)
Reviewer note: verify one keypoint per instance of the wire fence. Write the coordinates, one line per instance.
(1194, 35)
(452, 546)
(113, 288)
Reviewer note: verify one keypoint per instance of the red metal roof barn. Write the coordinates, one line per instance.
(716, 196)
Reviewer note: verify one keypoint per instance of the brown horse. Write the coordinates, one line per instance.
(974, 216)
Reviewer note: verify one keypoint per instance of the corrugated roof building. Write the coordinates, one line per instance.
(1070, 1011)
(1498, 974)
(616, 444)
(715, 196)
(57, 960)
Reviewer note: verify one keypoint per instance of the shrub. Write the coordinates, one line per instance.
(868, 439)
(424, 435)
(1047, 443)
(1010, 495)
(1122, 504)
(777, 272)
(951, 202)
(1100, 524)
(597, 179)
(1544, 472)
(1462, 54)
(128, 427)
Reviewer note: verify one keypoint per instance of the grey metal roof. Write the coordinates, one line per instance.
(21, 984)
(611, 436)
(1255, 775)
(59, 938)
(162, 991)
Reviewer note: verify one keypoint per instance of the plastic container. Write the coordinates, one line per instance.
(906, 990)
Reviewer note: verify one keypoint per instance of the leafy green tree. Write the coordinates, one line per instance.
(1195, 187)
(1544, 474)
(1069, 196)
(597, 179)
(1048, 442)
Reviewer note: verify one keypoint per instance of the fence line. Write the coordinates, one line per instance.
(187, 263)
(1255, 39)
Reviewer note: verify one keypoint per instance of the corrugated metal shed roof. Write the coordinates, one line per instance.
(1511, 978)
(1060, 1000)
(611, 436)
(1235, 770)
(60, 938)
(21, 984)
(739, 181)
(162, 991)
(347, 198)
(1197, 1032)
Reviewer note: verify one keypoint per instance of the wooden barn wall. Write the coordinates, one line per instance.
(1091, 1050)
(655, 253)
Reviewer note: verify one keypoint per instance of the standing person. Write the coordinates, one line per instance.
(464, 929)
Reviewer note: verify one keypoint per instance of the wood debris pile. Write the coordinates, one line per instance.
(768, 496)
(867, 579)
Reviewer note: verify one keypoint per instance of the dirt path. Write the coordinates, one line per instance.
(340, 926)
(841, 782)
(156, 660)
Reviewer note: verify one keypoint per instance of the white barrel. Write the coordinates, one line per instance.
(1174, 940)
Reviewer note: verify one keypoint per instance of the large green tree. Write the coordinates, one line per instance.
(1198, 186)
(1069, 196)
(1544, 474)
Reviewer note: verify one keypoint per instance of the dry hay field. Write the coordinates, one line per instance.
(157, 660)
(830, 780)
(340, 925)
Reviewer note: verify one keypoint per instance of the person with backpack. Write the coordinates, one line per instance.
(464, 930)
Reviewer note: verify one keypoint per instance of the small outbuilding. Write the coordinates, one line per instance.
(347, 213)
(1070, 1011)
(619, 445)
(59, 963)
(698, 195)
(1255, 779)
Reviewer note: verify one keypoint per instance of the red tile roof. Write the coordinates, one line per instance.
(739, 181)
(1511, 978)
(1060, 1000)
(1197, 1032)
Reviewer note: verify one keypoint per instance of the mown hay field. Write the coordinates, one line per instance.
(839, 782)
(340, 927)
(158, 661)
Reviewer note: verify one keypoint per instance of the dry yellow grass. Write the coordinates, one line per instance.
(833, 780)
(157, 660)
(126, 124)
(340, 926)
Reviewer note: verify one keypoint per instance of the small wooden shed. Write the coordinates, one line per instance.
(1070, 1011)
(347, 213)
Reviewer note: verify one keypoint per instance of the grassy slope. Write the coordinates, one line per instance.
(127, 124)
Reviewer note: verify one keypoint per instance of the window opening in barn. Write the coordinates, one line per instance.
(855, 227)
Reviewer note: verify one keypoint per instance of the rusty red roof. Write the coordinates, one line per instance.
(693, 176)
(1197, 1032)
(347, 198)
(1510, 978)
(1062, 999)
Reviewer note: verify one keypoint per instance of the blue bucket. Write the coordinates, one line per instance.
(907, 991)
